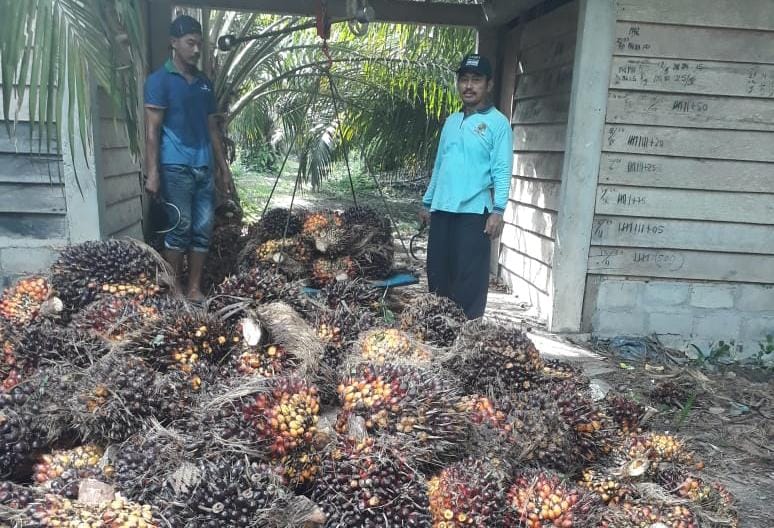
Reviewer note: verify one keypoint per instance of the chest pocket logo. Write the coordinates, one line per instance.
(480, 129)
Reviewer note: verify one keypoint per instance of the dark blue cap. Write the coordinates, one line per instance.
(476, 64)
(183, 25)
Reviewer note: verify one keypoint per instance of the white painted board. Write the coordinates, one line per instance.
(531, 219)
(530, 270)
(544, 138)
(549, 109)
(539, 165)
(539, 193)
(528, 243)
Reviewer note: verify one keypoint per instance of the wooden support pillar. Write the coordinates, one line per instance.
(159, 17)
(585, 131)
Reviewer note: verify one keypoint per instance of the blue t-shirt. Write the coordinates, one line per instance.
(185, 138)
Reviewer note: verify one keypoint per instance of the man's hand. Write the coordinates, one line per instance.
(152, 185)
(424, 216)
(494, 225)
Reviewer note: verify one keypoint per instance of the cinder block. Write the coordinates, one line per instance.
(722, 325)
(713, 295)
(757, 328)
(17, 261)
(619, 294)
(755, 298)
(674, 323)
(609, 323)
(657, 294)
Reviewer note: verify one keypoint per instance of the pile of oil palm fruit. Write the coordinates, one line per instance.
(268, 407)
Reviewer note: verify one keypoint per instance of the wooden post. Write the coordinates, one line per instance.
(159, 17)
(588, 105)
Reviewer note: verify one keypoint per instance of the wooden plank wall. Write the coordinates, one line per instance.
(540, 113)
(119, 174)
(686, 184)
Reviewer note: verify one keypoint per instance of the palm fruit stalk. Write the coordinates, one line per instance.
(625, 412)
(191, 341)
(225, 247)
(382, 345)
(495, 358)
(21, 303)
(121, 267)
(471, 492)
(115, 397)
(54, 510)
(541, 499)
(433, 319)
(415, 404)
(328, 270)
(669, 394)
(61, 470)
(364, 483)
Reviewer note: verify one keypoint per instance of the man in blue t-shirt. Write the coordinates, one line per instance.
(468, 191)
(182, 151)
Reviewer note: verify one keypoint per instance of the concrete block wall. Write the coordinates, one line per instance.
(681, 313)
(16, 262)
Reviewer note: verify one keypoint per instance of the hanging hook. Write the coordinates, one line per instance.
(324, 29)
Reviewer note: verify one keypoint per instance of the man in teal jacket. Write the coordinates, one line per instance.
(468, 191)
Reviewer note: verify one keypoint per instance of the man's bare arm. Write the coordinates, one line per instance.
(154, 117)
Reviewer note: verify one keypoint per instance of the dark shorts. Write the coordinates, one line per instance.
(192, 192)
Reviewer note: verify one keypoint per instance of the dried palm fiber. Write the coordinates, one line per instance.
(120, 393)
(538, 498)
(280, 222)
(350, 293)
(189, 340)
(471, 492)
(326, 270)
(368, 482)
(415, 404)
(53, 510)
(390, 345)
(232, 492)
(114, 318)
(518, 429)
(627, 414)
(111, 266)
(21, 303)
(494, 357)
(225, 247)
(271, 420)
(433, 319)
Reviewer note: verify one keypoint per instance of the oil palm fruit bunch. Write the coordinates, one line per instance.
(625, 412)
(647, 514)
(54, 510)
(561, 371)
(134, 467)
(647, 451)
(68, 464)
(227, 493)
(15, 364)
(225, 247)
(606, 484)
(328, 270)
(382, 345)
(541, 499)
(371, 219)
(350, 293)
(18, 438)
(265, 360)
(363, 483)
(186, 340)
(285, 416)
(21, 303)
(17, 497)
(46, 341)
(433, 319)
(259, 285)
(114, 318)
(110, 266)
(593, 430)
(413, 403)
(471, 492)
(669, 393)
(375, 261)
(276, 251)
(316, 221)
(495, 358)
(274, 223)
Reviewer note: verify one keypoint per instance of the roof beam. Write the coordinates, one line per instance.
(398, 11)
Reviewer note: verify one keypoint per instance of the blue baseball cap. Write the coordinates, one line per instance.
(475, 63)
(184, 25)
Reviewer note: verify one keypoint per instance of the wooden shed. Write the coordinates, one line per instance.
(643, 191)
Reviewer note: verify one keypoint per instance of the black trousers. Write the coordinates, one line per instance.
(458, 259)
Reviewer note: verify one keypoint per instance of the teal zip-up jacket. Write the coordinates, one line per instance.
(474, 161)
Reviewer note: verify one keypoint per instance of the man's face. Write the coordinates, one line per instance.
(474, 88)
(188, 48)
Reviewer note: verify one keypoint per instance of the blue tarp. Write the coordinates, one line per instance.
(393, 281)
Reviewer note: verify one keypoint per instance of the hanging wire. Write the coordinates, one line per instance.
(344, 146)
